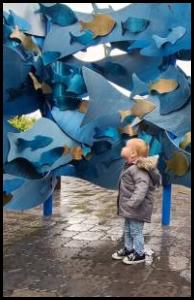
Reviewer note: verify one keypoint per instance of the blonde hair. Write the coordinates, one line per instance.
(138, 147)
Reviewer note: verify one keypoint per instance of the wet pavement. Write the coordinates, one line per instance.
(69, 254)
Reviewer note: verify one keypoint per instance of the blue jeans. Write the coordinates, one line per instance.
(133, 235)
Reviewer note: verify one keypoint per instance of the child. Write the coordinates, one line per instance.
(137, 183)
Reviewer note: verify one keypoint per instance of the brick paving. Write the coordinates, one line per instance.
(69, 254)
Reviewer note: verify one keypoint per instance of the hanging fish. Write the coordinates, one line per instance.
(59, 14)
(134, 25)
(49, 157)
(46, 89)
(26, 41)
(85, 39)
(164, 86)
(175, 34)
(101, 25)
(128, 130)
(186, 140)
(14, 20)
(6, 198)
(178, 164)
(38, 142)
(140, 108)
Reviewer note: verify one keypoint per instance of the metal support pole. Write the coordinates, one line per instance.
(47, 207)
(48, 204)
(166, 204)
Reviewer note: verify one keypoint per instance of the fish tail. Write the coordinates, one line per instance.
(72, 38)
(159, 40)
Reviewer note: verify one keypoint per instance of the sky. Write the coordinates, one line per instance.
(97, 52)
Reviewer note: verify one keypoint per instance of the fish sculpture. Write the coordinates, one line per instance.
(186, 141)
(139, 109)
(14, 20)
(48, 158)
(46, 89)
(39, 141)
(134, 25)
(164, 86)
(58, 13)
(101, 25)
(175, 34)
(25, 40)
(85, 39)
(178, 164)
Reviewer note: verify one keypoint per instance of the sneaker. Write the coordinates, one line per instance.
(120, 254)
(134, 259)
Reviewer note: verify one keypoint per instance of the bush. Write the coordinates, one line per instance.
(22, 123)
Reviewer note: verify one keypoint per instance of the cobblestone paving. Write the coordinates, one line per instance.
(69, 254)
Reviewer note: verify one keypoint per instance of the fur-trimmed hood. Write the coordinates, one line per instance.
(147, 163)
(150, 165)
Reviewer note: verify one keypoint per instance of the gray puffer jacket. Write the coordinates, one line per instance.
(137, 184)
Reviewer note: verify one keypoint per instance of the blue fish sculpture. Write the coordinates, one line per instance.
(85, 39)
(134, 25)
(175, 34)
(14, 20)
(59, 14)
(39, 141)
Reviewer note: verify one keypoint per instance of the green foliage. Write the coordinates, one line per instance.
(22, 123)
